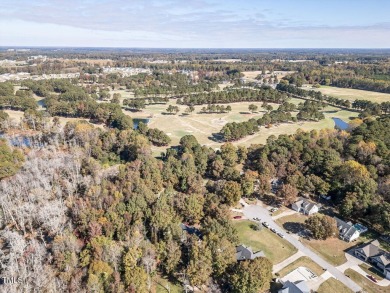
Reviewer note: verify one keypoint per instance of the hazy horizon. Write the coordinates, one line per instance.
(197, 24)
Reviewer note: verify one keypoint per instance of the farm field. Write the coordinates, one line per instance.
(274, 247)
(352, 94)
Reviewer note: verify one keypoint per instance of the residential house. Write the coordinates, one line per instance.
(379, 258)
(297, 287)
(244, 253)
(347, 231)
(297, 280)
(304, 206)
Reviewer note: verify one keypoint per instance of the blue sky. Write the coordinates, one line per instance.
(196, 23)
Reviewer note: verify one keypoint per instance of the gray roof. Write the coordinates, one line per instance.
(305, 204)
(371, 249)
(346, 229)
(243, 253)
(298, 287)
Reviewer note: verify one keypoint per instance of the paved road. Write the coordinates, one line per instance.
(276, 268)
(253, 211)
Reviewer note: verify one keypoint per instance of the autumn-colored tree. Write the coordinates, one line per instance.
(322, 227)
(288, 193)
(251, 276)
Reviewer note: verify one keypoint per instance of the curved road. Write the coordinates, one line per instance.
(255, 211)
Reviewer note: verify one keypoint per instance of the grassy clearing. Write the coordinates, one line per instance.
(303, 261)
(274, 247)
(163, 285)
(295, 218)
(204, 125)
(334, 286)
(366, 284)
(332, 249)
(352, 94)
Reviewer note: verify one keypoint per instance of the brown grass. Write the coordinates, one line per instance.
(274, 247)
(331, 249)
(303, 261)
(334, 286)
(366, 284)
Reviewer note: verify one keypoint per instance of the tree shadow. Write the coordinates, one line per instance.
(216, 137)
(294, 227)
(242, 113)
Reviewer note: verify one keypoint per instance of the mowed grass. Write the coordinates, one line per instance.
(303, 261)
(295, 218)
(334, 286)
(274, 247)
(352, 94)
(371, 271)
(366, 284)
(332, 249)
(203, 126)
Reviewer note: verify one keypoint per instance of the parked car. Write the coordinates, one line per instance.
(273, 230)
(372, 278)
(274, 210)
(237, 217)
(265, 224)
(280, 234)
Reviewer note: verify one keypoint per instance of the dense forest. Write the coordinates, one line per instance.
(353, 168)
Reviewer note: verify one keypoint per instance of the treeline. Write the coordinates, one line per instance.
(266, 94)
(63, 98)
(309, 110)
(216, 109)
(20, 101)
(366, 107)
(141, 103)
(370, 76)
(352, 168)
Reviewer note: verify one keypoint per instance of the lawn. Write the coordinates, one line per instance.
(295, 218)
(274, 247)
(366, 284)
(331, 249)
(352, 94)
(371, 271)
(303, 261)
(334, 286)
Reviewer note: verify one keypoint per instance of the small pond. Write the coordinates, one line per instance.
(136, 121)
(340, 124)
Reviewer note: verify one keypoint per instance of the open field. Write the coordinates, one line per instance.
(331, 249)
(303, 261)
(366, 284)
(204, 125)
(352, 94)
(254, 74)
(295, 218)
(274, 247)
(334, 286)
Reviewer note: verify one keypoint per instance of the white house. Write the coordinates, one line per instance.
(347, 231)
(304, 206)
